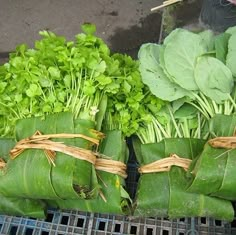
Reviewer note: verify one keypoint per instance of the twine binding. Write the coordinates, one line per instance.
(111, 166)
(165, 164)
(39, 141)
(2, 163)
(227, 142)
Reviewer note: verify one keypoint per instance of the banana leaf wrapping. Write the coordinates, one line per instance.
(163, 194)
(18, 206)
(115, 199)
(214, 171)
(31, 176)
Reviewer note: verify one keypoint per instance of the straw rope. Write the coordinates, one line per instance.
(165, 164)
(39, 141)
(111, 166)
(2, 163)
(228, 142)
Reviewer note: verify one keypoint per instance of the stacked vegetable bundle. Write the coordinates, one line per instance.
(67, 107)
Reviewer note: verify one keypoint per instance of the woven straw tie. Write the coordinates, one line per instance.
(165, 164)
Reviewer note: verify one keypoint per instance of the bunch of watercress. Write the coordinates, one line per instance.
(80, 77)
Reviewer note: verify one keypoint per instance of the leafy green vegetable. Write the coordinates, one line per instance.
(213, 78)
(231, 56)
(184, 72)
(231, 30)
(180, 55)
(154, 76)
(208, 38)
(221, 46)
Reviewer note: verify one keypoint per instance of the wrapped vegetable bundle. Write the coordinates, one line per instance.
(214, 171)
(71, 173)
(113, 198)
(162, 191)
(17, 206)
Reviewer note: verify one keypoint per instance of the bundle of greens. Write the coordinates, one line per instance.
(56, 76)
(214, 171)
(113, 198)
(163, 193)
(66, 87)
(194, 74)
(71, 173)
(15, 205)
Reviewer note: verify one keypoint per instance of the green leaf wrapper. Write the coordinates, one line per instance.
(18, 206)
(31, 176)
(163, 194)
(112, 185)
(214, 172)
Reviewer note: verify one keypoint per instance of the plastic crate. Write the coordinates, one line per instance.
(75, 222)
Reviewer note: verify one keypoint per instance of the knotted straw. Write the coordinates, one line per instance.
(39, 141)
(111, 166)
(2, 163)
(165, 164)
(227, 142)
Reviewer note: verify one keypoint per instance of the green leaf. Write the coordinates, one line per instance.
(168, 189)
(89, 88)
(112, 185)
(45, 82)
(213, 78)
(221, 46)
(67, 80)
(180, 56)
(103, 80)
(186, 111)
(231, 56)
(101, 67)
(208, 39)
(31, 175)
(214, 171)
(231, 30)
(88, 28)
(2, 86)
(154, 77)
(54, 72)
(33, 91)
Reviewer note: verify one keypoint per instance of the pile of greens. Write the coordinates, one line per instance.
(81, 77)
